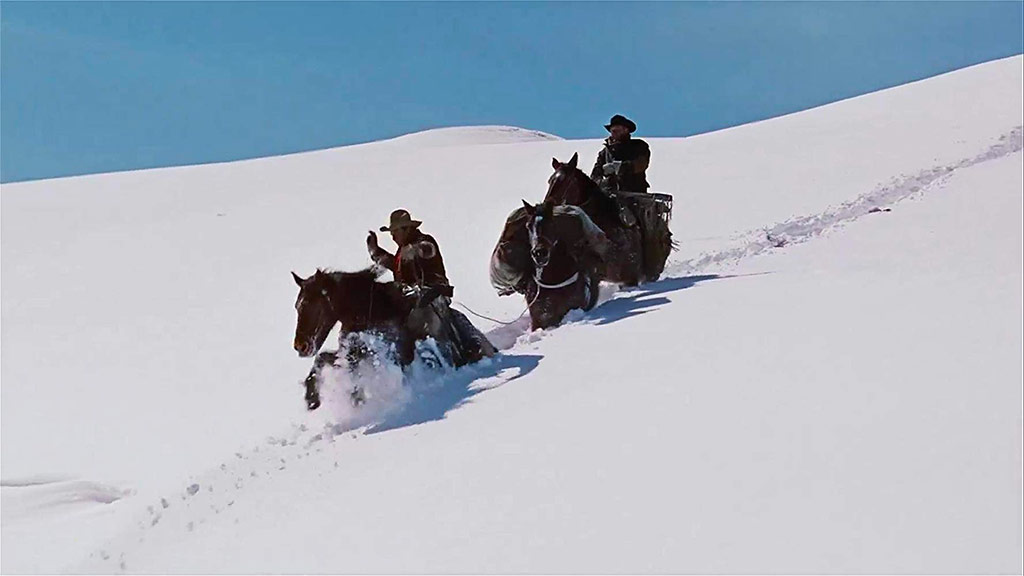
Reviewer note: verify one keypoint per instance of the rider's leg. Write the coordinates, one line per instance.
(446, 334)
(475, 344)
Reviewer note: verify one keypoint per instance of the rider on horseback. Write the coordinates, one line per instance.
(622, 163)
(418, 262)
(621, 173)
(418, 265)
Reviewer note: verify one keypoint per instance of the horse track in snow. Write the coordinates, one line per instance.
(804, 228)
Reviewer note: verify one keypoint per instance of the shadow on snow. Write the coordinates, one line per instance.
(460, 386)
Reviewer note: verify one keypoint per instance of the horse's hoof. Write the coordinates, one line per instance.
(312, 403)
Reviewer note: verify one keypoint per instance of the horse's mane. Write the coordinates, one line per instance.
(368, 274)
(359, 286)
(584, 176)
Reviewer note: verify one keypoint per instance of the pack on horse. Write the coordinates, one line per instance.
(554, 256)
(363, 305)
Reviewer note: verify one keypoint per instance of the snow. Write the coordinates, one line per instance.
(814, 386)
(470, 136)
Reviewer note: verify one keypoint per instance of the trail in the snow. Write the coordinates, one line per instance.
(804, 228)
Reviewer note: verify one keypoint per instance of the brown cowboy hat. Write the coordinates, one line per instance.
(620, 120)
(401, 219)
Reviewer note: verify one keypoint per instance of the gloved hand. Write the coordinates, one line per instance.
(371, 242)
(417, 295)
(427, 295)
(612, 168)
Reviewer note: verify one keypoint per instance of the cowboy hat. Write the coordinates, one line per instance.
(620, 120)
(400, 219)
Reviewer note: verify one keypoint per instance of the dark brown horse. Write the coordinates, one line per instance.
(569, 185)
(566, 252)
(361, 304)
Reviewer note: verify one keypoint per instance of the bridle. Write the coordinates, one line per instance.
(331, 310)
(564, 173)
(539, 270)
(567, 282)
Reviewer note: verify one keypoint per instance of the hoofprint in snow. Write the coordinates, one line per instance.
(848, 404)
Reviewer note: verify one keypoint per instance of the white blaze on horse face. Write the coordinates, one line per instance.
(538, 242)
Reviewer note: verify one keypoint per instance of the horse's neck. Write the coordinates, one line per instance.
(596, 204)
(582, 190)
(348, 304)
(588, 189)
(380, 303)
(568, 195)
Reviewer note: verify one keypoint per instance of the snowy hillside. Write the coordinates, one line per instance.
(827, 380)
(470, 136)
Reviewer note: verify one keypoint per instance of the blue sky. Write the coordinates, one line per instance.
(96, 87)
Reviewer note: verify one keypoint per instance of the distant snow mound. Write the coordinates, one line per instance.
(473, 135)
(24, 499)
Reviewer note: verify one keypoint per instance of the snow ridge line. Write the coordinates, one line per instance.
(801, 229)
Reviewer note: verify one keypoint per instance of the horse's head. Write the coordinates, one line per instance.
(565, 185)
(316, 313)
(539, 226)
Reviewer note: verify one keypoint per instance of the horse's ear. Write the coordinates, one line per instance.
(555, 163)
(298, 279)
(575, 159)
(529, 208)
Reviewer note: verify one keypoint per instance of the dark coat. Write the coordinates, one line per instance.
(635, 156)
(418, 261)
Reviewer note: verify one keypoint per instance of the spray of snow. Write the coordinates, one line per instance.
(377, 387)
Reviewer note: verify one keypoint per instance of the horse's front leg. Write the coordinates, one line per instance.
(591, 290)
(405, 345)
(312, 382)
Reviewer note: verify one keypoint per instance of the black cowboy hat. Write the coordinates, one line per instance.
(401, 219)
(620, 120)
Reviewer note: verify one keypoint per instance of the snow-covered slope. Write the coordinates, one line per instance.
(847, 404)
(471, 136)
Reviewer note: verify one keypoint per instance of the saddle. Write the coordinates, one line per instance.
(633, 206)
